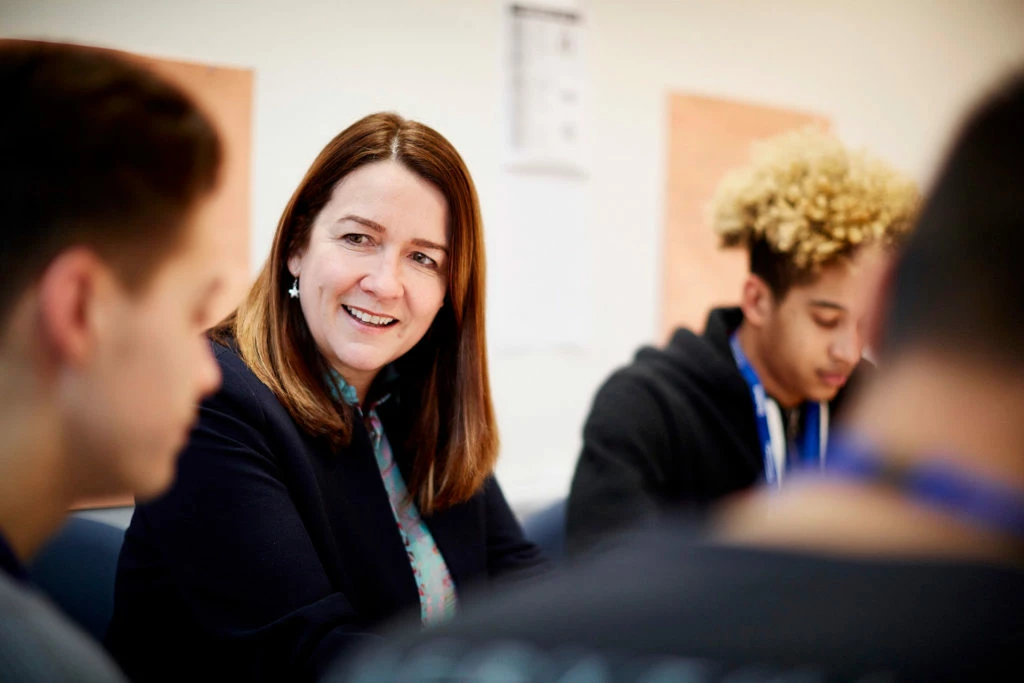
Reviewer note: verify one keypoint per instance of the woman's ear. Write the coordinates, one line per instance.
(295, 263)
(756, 301)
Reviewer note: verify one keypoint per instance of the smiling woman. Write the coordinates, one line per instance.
(369, 292)
(343, 474)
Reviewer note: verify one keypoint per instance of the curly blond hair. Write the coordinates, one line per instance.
(813, 201)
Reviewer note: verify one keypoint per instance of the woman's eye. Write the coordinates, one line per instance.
(424, 260)
(357, 239)
(826, 324)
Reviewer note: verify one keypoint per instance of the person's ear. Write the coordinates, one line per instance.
(295, 262)
(756, 301)
(70, 310)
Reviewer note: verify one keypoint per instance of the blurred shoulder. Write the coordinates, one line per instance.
(37, 643)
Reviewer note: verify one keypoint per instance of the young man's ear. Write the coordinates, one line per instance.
(756, 301)
(69, 312)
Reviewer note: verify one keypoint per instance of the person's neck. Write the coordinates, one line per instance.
(925, 407)
(931, 406)
(360, 383)
(33, 495)
(750, 341)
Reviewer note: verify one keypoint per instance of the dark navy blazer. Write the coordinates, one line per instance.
(273, 551)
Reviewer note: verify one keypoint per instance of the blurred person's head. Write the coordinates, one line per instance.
(953, 319)
(108, 263)
(959, 287)
(378, 262)
(818, 222)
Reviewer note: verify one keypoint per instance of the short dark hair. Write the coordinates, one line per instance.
(94, 151)
(960, 283)
(777, 269)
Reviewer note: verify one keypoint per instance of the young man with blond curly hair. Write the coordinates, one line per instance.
(753, 396)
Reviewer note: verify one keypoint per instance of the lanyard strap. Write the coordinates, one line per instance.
(936, 484)
(774, 445)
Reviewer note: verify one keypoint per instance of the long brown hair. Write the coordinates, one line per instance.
(454, 438)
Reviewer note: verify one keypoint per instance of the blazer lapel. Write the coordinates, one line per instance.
(359, 494)
(457, 531)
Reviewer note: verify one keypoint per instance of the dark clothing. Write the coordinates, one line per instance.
(37, 642)
(273, 551)
(675, 428)
(699, 612)
(9, 562)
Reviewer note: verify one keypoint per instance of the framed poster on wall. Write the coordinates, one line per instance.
(544, 77)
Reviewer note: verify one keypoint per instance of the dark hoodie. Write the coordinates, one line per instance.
(675, 429)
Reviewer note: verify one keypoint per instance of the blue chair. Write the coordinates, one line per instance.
(546, 528)
(76, 570)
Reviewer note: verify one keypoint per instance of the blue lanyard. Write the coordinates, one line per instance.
(810, 443)
(935, 484)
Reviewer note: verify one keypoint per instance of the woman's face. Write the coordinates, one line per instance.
(374, 273)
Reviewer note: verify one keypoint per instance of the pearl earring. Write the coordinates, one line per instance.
(294, 291)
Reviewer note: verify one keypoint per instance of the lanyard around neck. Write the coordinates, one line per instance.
(935, 484)
(770, 430)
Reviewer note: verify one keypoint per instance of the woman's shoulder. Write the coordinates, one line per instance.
(240, 387)
(229, 358)
(235, 372)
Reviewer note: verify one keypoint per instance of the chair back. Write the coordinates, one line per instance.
(546, 528)
(76, 570)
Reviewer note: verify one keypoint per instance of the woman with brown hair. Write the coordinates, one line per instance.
(343, 474)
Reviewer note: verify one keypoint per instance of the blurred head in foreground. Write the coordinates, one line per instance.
(109, 262)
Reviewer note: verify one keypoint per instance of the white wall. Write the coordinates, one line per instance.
(892, 75)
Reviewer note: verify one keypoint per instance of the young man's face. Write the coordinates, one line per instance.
(135, 401)
(813, 338)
